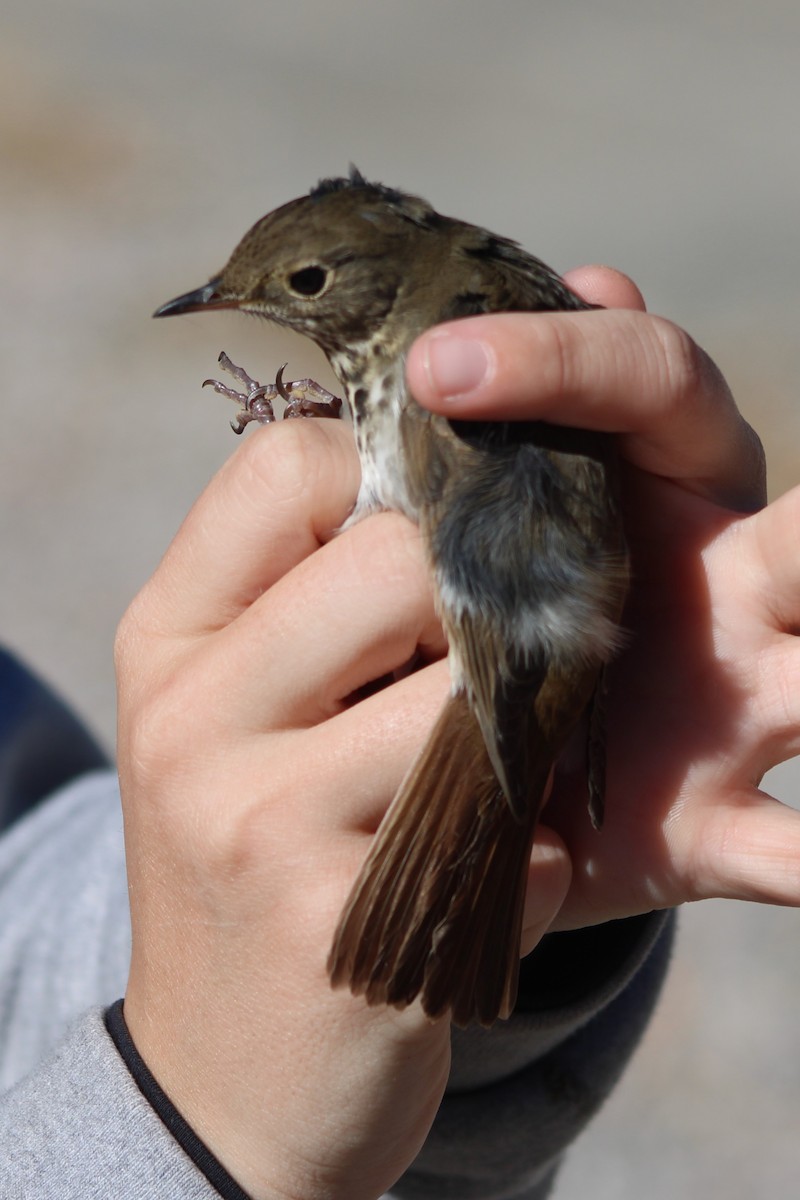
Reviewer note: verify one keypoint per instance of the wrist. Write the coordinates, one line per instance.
(340, 1116)
(206, 1162)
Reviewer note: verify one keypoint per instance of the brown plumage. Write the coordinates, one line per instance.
(522, 528)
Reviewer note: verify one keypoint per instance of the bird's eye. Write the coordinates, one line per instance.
(308, 281)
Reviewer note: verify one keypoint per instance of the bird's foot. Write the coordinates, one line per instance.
(303, 397)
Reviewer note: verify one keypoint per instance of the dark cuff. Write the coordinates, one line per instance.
(566, 968)
(521, 1092)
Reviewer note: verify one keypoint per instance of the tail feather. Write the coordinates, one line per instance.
(437, 908)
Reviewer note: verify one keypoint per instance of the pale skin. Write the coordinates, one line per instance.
(252, 779)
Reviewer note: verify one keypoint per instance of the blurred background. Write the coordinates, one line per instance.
(139, 141)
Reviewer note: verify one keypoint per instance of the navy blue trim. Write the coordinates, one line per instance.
(184, 1135)
(43, 744)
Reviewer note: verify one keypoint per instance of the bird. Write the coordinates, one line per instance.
(522, 528)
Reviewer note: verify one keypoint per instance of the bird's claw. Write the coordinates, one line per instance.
(302, 398)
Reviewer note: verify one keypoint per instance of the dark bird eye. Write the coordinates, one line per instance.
(308, 281)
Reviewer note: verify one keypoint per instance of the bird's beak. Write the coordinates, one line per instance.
(199, 300)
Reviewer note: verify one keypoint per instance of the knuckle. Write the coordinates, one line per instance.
(285, 460)
(558, 357)
(754, 470)
(159, 738)
(129, 636)
(683, 369)
(156, 688)
(691, 386)
(777, 692)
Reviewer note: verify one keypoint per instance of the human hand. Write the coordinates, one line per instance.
(702, 699)
(238, 669)
(253, 777)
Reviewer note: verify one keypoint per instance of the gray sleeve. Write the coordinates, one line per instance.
(64, 926)
(76, 1121)
(74, 1124)
(78, 1128)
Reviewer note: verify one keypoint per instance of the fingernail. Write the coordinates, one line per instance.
(456, 365)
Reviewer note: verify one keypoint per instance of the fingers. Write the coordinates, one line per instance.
(283, 493)
(361, 607)
(362, 755)
(604, 285)
(354, 611)
(745, 852)
(548, 884)
(755, 570)
(769, 544)
(619, 370)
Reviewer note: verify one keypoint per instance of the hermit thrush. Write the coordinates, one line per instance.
(522, 528)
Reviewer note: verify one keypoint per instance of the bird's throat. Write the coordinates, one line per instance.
(376, 393)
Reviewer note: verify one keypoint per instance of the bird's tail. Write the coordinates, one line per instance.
(437, 909)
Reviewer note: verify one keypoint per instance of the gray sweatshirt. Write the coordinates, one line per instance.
(80, 1116)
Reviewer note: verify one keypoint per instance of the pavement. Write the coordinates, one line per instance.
(138, 142)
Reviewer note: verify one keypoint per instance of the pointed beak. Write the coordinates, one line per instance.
(199, 300)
